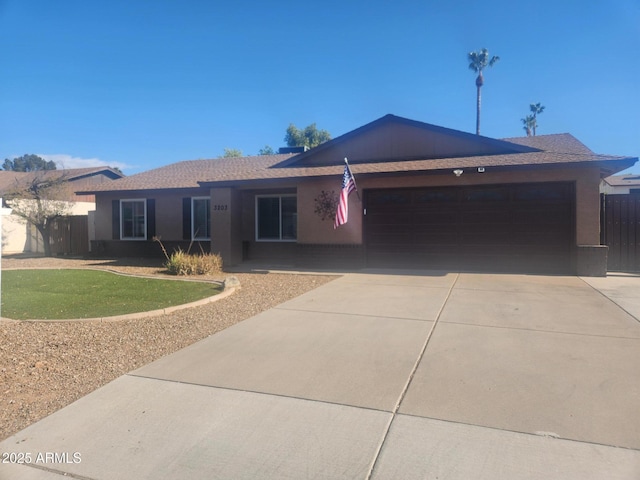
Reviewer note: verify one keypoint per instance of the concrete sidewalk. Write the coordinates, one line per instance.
(378, 375)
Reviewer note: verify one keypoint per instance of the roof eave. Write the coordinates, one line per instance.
(611, 167)
(605, 166)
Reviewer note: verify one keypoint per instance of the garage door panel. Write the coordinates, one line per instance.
(486, 194)
(525, 226)
(546, 240)
(394, 218)
(472, 228)
(386, 228)
(436, 238)
(435, 217)
(492, 216)
(439, 196)
(389, 238)
(544, 192)
(551, 215)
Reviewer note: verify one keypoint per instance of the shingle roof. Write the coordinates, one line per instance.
(560, 142)
(630, 180)
(552, 150)
(188, 173)
(10, 180)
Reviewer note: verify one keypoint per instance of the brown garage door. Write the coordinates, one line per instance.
(523, 227)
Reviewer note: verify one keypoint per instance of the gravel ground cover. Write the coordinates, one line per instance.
(46, 366)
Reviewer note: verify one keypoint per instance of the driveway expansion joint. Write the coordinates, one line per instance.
(612, 300)
(538, 330)
(258, 392)
(58, 472)
(351, 314)
(409, 379)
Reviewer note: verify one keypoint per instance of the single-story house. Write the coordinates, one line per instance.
(19, 237)
(427, 196)
(620, 184)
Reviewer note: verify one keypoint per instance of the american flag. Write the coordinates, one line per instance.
(348, 186)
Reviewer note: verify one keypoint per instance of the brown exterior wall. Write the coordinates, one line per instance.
(233, 224)
(117, 248)
(251, 249)
(313, 230)
(168, 211)
(102, 222)
(226, 224)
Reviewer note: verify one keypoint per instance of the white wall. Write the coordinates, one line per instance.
(19, 237)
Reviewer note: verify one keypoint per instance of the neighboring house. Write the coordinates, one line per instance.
(19, 237)
(620, 213)
(620, 184)
(427, 197)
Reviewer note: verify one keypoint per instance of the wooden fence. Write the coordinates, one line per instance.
(70, 236)
(620, 231)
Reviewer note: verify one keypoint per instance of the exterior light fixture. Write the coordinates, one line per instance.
(457, 172)
(480, 169)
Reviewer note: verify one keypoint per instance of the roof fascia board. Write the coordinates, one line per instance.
(620, 164)
(151, 191)
(107, 172)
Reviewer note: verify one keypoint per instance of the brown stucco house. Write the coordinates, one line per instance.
(428, 197)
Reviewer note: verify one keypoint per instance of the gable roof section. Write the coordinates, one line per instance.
(10, 180)
(78, 173)
(392, 138)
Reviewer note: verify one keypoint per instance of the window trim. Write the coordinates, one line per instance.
(144, 203)
(193, 217)
(279, 196)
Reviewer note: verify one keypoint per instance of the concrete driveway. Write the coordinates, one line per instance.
(383, 375)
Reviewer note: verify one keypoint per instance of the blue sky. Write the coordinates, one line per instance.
(142, 83)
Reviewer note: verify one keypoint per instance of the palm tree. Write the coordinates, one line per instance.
(529, 123)
(478, 61)
(535, 108)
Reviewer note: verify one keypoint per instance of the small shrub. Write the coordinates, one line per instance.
(185, 263)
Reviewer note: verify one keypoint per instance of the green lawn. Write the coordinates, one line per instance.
(60, 294)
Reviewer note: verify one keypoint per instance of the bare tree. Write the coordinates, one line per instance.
(40, 200)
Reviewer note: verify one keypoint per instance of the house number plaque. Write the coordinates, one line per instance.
(221, 207)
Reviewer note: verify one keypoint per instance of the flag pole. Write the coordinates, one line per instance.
(346, 162)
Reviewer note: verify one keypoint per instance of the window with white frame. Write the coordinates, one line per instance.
(133, 219)
(201, 218)
(276, 218)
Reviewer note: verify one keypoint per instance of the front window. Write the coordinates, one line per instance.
(133, 218)
(277, 218)
(201, 218)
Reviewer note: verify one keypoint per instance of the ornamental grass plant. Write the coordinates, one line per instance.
(185, 263)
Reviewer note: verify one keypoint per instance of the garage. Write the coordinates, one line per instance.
(506, 228)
